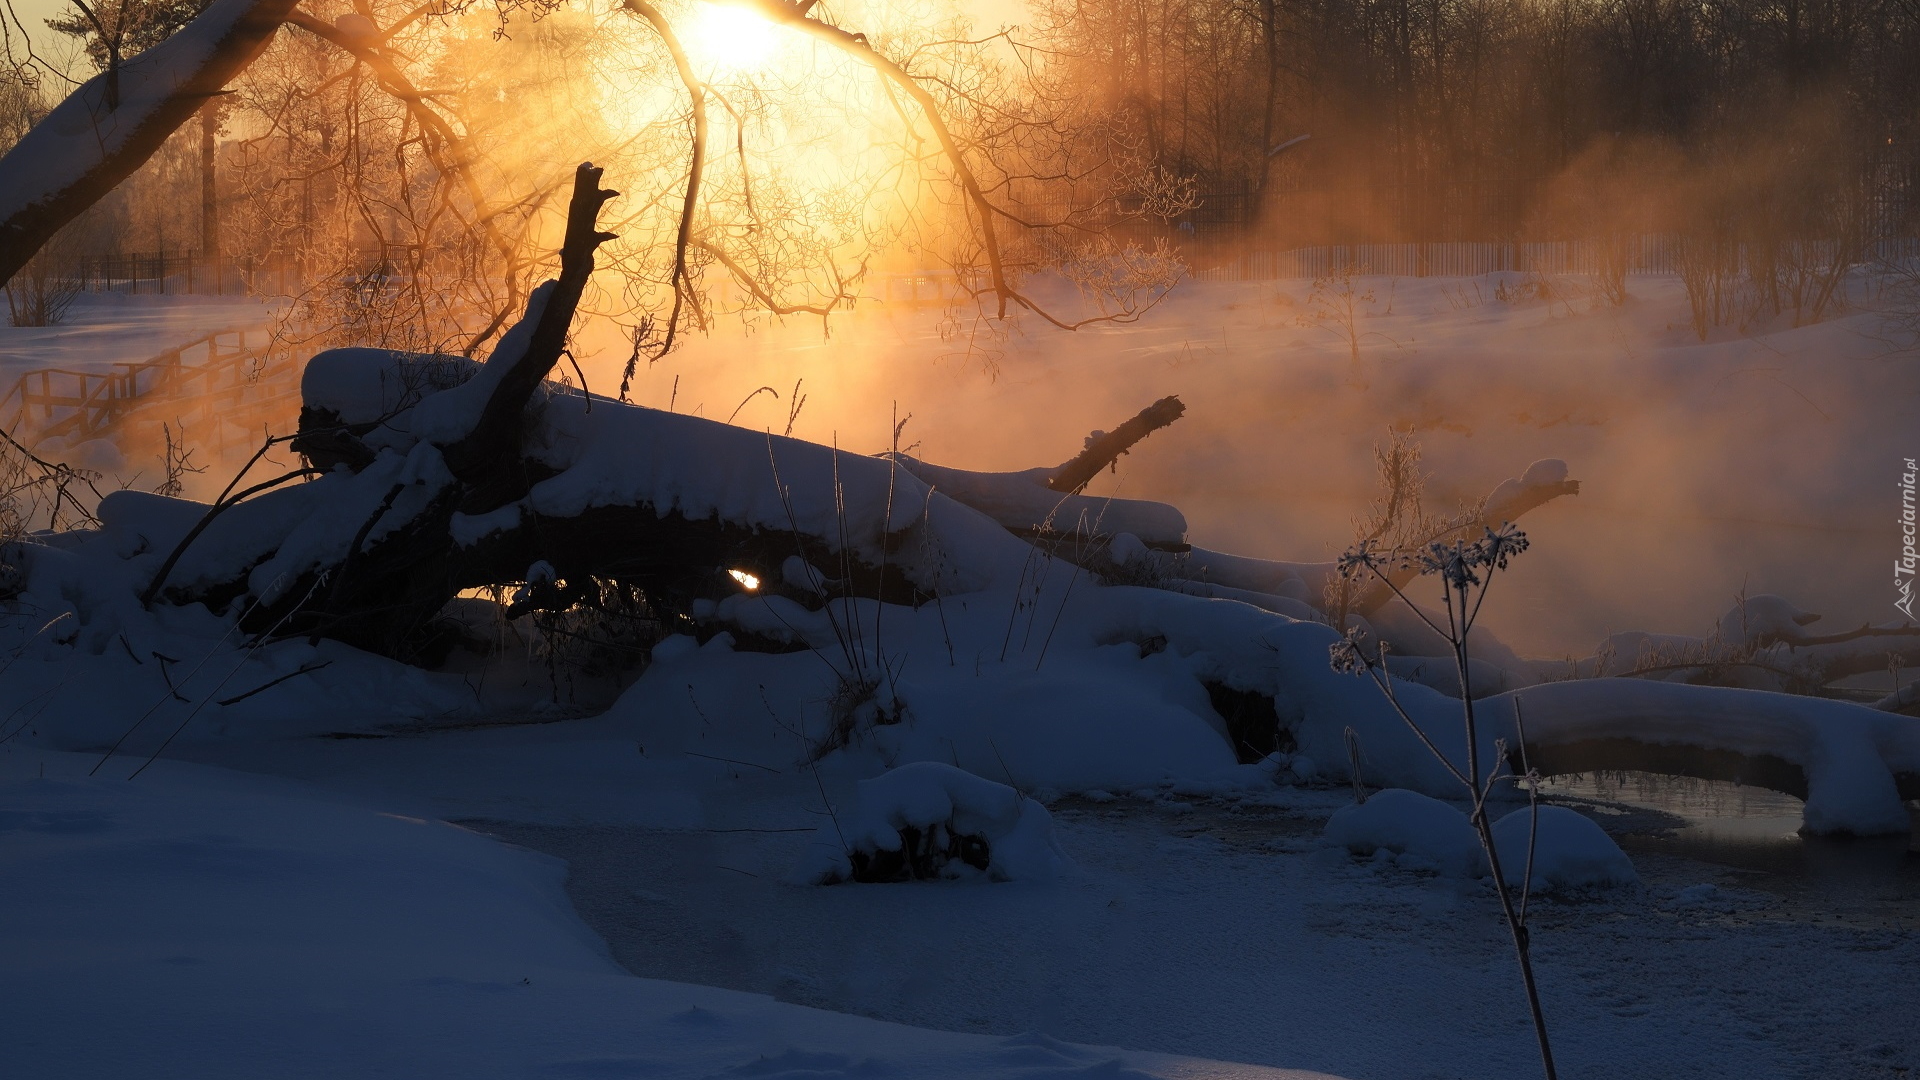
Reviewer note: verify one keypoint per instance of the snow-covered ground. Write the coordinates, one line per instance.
(104, 329)
(202, 923)
(268, 899)
(299, 903)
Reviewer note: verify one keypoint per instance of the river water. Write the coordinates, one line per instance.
(1753, 837)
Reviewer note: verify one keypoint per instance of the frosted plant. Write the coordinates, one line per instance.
(1465, 569)
(1336, 305)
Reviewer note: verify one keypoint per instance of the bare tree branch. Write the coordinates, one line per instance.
(457, 162)
(697, 96)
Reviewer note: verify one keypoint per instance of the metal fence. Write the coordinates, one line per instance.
(1646, 255)
(161, 273)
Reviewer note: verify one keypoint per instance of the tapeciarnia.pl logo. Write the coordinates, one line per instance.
(1903, 567)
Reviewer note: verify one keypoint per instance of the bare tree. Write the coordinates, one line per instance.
(114, 121)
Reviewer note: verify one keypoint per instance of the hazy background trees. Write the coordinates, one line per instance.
(391, 167)
(1453, 119)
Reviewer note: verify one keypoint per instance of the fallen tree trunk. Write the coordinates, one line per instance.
(443, 475)
(1543, 482)
(1024, 504)
(1761, 644)
(1099, 534)
(1854, 766)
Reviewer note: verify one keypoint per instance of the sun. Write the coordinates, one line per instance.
(731, 38)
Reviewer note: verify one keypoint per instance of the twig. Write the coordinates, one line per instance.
(305, 669)
(731, 761)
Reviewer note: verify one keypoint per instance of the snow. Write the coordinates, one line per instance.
(939, 801)
(1568, 851)
(1107, 719)
(1205, 927)
(1421, 832)
(317, 915)
(103, 330)
(367, 387)
(211, 924)
(1850, 752)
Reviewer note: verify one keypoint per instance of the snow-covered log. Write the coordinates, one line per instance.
(113, 122)
(1045, 502)
(1762, 643)
(1024, 504)
(1145, 542)
(1542, 482)
(1853, 765)
(445, 475)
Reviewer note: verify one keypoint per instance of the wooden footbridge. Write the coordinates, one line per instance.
(219, 390)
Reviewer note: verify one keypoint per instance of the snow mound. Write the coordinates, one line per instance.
(932, 820)
(1569, 851)
(1422, 832)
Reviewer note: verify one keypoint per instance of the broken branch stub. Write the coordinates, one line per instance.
(1105, 448)
(483, 457)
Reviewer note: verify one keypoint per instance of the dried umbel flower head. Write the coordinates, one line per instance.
(1501, 545)
(1345, 654)
(1454, 562)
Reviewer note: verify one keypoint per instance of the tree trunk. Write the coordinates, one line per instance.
(115, 121)
(209, 204)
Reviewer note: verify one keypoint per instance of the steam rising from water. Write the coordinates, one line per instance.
(1758, 463)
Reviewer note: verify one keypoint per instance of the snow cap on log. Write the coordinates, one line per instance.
(1022, 502)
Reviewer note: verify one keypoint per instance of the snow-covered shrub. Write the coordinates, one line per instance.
(43, 290)
(927, 820)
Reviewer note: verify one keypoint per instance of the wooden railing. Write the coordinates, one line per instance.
(219, 388)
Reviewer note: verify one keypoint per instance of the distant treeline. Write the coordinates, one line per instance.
(1477, 119)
